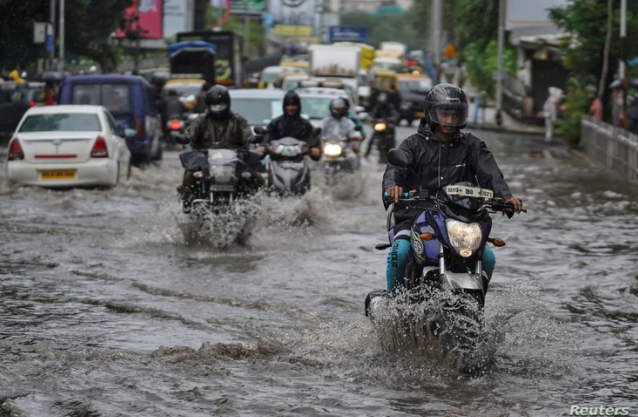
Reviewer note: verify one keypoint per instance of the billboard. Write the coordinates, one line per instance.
(145, 15)
(178, 16)
(526, 13)
(254, 6)
(347, 34)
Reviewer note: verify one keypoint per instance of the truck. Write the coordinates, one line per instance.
(193, 57)
(334, 61)
(230, 55)
(399, 47)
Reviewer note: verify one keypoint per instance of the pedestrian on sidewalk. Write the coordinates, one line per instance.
(550, 111)
(596, 108)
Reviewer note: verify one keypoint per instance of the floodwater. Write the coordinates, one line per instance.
(112, 305)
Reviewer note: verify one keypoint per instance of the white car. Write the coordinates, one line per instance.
(68, 146)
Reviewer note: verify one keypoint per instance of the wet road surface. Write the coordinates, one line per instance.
(111, 305)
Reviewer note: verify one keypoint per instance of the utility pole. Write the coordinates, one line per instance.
(61, 47)
(623, 57)
(436, 35)
(52, 23)
(246, 27)
(499, 76)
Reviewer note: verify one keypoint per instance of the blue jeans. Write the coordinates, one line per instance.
(399, 256)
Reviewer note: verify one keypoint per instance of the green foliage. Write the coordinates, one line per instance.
(396, 27)
(88, 23)
(476, 21)
(587, 21)
(576, 106)
(483, 61)
(257, 36)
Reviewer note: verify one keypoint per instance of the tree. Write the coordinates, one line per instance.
(88, 24)
(586, 20)
(396, 27)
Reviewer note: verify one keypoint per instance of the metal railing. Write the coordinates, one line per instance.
(613, 147)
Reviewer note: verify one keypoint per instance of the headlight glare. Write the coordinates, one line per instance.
(464, 237)
(332, 149)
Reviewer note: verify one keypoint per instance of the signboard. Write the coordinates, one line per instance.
(253, 6)
(526, 13)
(39, 32)
(145, 15)
(347, 34)
(178, 17)
(292, 30)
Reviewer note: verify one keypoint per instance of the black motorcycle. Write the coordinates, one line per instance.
(443, 294)
(225, 177)
(384, 137)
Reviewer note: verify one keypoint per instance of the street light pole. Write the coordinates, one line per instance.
(499, 75)
(52, 22)
(623, 52)
(61, 47)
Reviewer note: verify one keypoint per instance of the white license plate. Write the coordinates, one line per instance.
(465, 191)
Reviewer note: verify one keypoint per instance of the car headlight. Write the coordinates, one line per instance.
(332, 149)
(465, 238)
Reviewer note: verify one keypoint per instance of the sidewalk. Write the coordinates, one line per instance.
(484, 119)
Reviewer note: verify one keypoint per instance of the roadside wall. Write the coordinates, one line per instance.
(613, 147)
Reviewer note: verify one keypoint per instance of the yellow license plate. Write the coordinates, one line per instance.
(59, 174)
(419, 115)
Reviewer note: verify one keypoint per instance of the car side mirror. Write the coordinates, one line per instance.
(260, 130)
(129, 133)
(399, 158)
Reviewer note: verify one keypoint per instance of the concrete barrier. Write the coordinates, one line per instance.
(610, 146)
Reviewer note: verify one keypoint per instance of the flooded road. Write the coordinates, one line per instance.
(109, 307)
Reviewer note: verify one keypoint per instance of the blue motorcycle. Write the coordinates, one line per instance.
(443, 294)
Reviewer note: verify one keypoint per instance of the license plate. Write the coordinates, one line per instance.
(58, 174)
(465, 191)
(419, 115)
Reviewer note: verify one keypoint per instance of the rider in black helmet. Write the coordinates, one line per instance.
(217, 128)
(442, 155)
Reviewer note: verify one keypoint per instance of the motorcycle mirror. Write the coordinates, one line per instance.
(399, 158)
(316, 131)
(179, 138)
(255, 139)
(260, 130)
(363, 116)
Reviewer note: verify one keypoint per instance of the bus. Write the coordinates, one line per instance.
(229, 68)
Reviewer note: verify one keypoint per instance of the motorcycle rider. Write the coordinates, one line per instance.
(339, 124)
(217, 128)
(383, 111)
(291, 124)
(441, 155)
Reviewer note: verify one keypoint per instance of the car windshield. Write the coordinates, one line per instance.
(416, 85)
(316, 107)
(258, 111)
(62, 122)
(114, 97)
(183, 89)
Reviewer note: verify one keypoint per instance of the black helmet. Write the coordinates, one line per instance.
(442, 98)
(172, 92)
(218, 102)
(338, 108)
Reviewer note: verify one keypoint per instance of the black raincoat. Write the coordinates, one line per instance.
(437, 164)
(290, 126)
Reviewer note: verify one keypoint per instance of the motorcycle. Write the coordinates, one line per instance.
(177, 125)
(384, 137)
(288, 168)
(338, 156)
(224, 177)
(443, 295)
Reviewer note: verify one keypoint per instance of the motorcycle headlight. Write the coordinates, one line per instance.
(332, 149)
(223, 174)
(465, 238)
(379, 127)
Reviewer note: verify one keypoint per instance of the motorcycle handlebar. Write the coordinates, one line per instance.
(496, 205)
